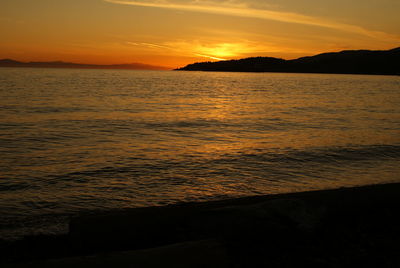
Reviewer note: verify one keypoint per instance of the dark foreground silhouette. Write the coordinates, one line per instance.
(386, 62)
(348, 227)
(70, 65)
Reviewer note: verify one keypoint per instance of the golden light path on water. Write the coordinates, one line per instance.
(83, 140)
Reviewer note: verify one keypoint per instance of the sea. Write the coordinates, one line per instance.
(84, 141)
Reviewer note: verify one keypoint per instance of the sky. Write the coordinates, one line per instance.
(174, 33)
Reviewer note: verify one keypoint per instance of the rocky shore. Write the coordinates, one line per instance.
(347, 227)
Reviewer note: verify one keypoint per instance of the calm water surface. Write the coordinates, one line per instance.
(74, 141)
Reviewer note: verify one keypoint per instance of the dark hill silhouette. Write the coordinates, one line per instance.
(385, 62)
(61, 64)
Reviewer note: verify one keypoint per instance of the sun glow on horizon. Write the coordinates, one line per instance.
(214, 51)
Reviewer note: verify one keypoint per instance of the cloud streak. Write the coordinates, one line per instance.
(177, 47)
(241, 10)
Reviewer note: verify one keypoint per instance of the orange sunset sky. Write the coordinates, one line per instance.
(174, 33)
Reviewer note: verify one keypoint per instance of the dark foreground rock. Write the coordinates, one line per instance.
(349, 227)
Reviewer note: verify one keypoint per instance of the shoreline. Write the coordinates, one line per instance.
(342, 227)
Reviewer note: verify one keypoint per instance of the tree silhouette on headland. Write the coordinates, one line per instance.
(385, 62)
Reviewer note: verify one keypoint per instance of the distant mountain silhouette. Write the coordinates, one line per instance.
(384, 62)
(60, 64)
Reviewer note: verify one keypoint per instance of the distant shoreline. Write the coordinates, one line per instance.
(167, 70)
(69, 65)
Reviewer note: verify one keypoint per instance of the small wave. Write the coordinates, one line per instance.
(317, 162)
(49, 109)
(329, 155)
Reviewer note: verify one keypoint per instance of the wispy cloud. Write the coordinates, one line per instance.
(149, 45)
(210, 57)
(240, 9)
(182, 47)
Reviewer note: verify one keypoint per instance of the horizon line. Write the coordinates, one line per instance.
(163, 67)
